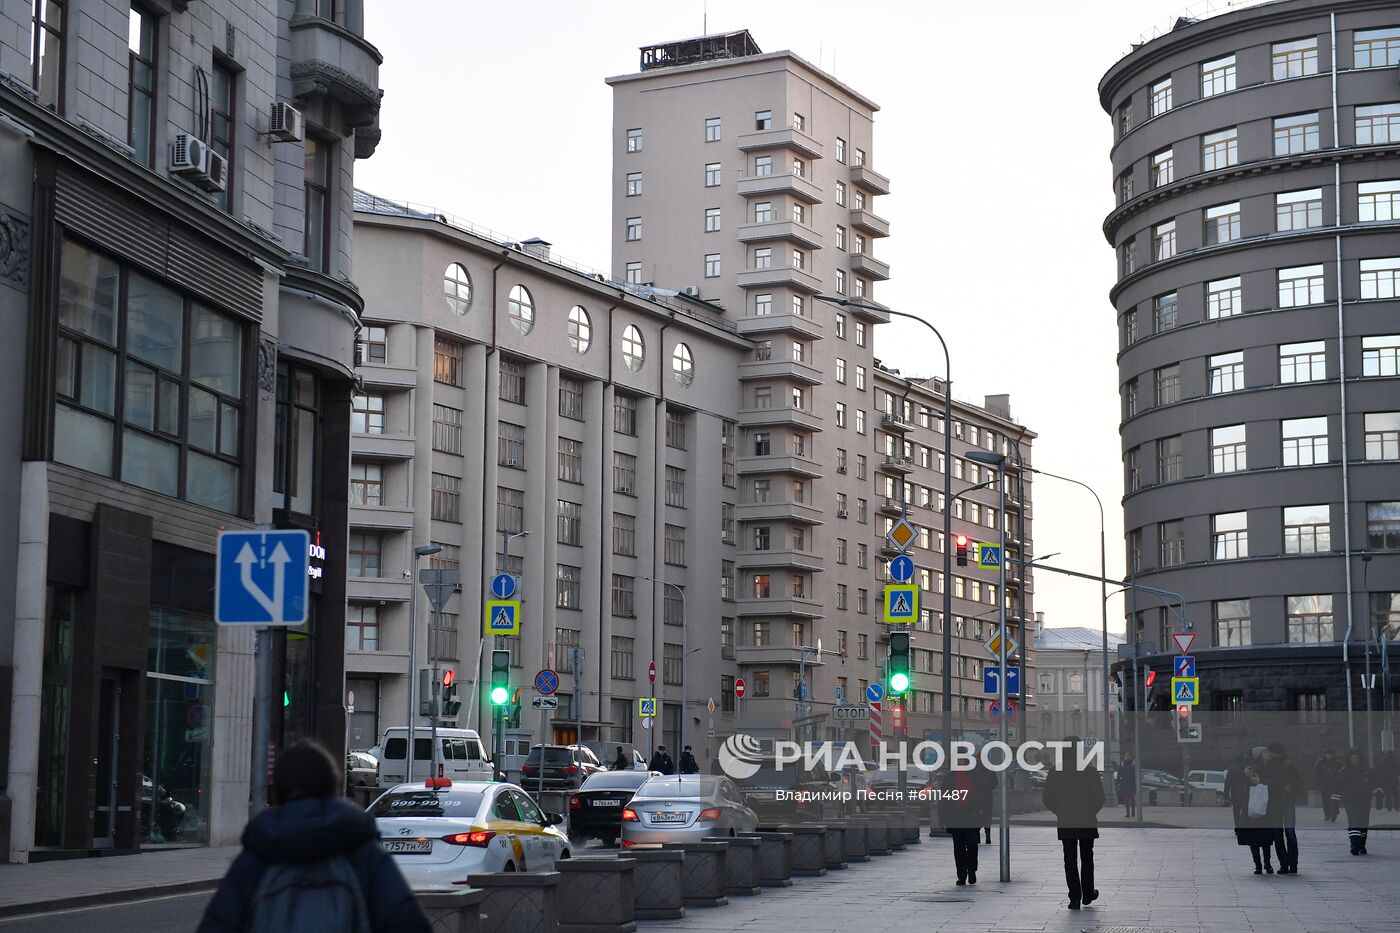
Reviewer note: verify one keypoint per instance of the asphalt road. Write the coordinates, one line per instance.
(177, 913)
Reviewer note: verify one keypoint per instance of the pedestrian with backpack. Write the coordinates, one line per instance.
(312, 863)
(964, 806)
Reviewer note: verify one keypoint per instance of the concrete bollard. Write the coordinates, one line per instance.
(518, 902)
(774, 859)
(909, 826)
(706, 875)
(808, 848)
(455, 911)
(877, 836)
(835, 849)
(657, 884)
(857, 840)
(598, 894)
(741, 862)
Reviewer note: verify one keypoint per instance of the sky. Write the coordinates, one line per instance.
(990, 131)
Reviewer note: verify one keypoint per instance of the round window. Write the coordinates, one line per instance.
(580, 329)
(633, 349)
(683, 365)
(457, 287)
(521, 308)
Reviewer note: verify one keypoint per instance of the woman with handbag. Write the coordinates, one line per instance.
(1252, 826)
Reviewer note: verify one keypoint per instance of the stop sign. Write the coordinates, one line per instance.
(739, 687)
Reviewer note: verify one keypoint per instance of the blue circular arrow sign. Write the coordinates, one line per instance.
(503, 586)
(546, 682)
(874, 693)
(901, 571)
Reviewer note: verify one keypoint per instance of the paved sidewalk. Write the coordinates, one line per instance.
(77, 882)
(1207, 817)
(1153, 880)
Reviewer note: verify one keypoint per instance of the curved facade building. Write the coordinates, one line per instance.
(1256, 167)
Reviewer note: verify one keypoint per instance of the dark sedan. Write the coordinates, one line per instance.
(791, 793)
(595, 809)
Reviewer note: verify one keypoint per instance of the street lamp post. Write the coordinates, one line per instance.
(947, 497)
(418, 552)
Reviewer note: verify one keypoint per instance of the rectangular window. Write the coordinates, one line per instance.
(860, 333)
(1123, 118)
(373, 345)
(763, 120)
(624, 603)
(840, 194)
(319, 210)
(1220, 149)
(1167, 385)
(763, 165)
(1298, 210)
(634, 228)
(447, 429)
(1296, 134)
(1380, 356)
(1383, 525)
(1127, 257)
(564, 639)
(1222, 223)
(223, 127)
(712, 129)
(365, 555)
(46, 52)
(675, 487)
(634, 184)
(141, 86)
(622, 654)
(625, 414)
(570, 398)
(510, 445)
(1130, 327)
(1379, 278)
(1377, 124)
(634, 273)
(1132, 464)
(1124, 187)
(1298, 286)
(569, 522)
(1378, 200)
(1232, 623)
(1376, 48)
(1304, 441)
(1302, 362)
(1171, 544)
(1307, 529)
(366, 408)
(447, 497)
(712, 265)
(1164, 241)
(570, 460)
(1226, 372)
(1164, 312)
(512, 382)
(366, 483)
(1230, 536)
(675, 546)
(863, 602)
(1294, 59)
(1218, 76)
(1383, 435)
(1162, 169)
(1310, 619)
(712, 219)
(624, 535)
(362, 627)
(510, 510)
(1223, 298)
(860, 158)
(712, 175)
(1168, 459)
(763, 257)
(568, 587)
(675, 429)
(1160, 96)
(634, 140)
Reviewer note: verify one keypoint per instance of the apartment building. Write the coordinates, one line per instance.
(176, 295)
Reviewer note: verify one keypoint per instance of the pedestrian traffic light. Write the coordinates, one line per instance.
(899, 663)
(450, 704)
(961, 542)
(500, 677)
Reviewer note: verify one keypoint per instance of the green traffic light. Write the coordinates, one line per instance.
(899, 682)
(499, 695)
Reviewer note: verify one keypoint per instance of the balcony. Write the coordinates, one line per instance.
(782, 417)
(382, 446)
(772, 656)
(380, 518)
(331, 61)
(390, 588)
(778, 510)
(891, 507)
(789, 276)
(870, 223)
(877, 313)
(900, 466)
(780, 230)
(756, 324)
(786, 138)
(893, 422)
(779, 463)
(797, 560)
(780, 184)
(869, 179)
(802, 607)
(393, 377)
(867, 265)
(777, 368)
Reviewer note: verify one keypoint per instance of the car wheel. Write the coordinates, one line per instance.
(563, 855)
(607, 841)
(510, 866)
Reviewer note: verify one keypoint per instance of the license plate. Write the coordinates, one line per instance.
(607, 803)
(761, 795)
(668, 817)
(408, 846)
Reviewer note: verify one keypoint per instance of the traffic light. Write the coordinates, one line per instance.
(450, 703)
(899, 663)
(1186, 729)
(961, 542)
(500, 678)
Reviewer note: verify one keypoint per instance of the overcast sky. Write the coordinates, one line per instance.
(990, 131)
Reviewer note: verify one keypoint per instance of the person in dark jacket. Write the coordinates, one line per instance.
(1075, 795)
(1285, 782)
(661, 762)
(620, 763)
(964, 805)
(1355, 784)
(1388, 776)
(309, 825)
(1325, 777)
(1127, 784)
(688, 764)
(1253, 831)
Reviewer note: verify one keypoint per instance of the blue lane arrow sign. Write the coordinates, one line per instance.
(902, 569)
(874, 693)
(990, 675)
(503, 586)
(262, 578)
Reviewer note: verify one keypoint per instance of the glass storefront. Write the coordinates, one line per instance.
(179, 728)
(53, 724)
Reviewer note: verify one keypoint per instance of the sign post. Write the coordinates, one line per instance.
(439, 586)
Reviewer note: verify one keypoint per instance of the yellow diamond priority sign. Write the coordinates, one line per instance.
(902, 534)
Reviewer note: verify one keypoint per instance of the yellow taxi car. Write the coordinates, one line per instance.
(441, 831)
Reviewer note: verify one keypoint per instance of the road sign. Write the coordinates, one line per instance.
(710, 705)
(262, 578)
(502, 617)
(993, 645)
(1184, 665)
(1186, 691)
(850, 713)
(902, 569)
(1184, 640)
(902, 533)
(996, 710)
(875, 692)
(439, 585)
(503, 586)
(544, 702)
(646, 723)
(989, 556)
(840, 695)
(802, 690)
(646, 707)
(901, 604)
(990, 675)
(651, 672)
(739, 688)
(546, 682)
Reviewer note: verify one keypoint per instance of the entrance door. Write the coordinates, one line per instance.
(104, 812)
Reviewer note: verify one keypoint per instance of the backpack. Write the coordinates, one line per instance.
(311, 898)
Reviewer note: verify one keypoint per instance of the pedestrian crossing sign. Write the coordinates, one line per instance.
(502, 617)
(989, 556)
(901, 604)
(1186, 691)
(646, 706)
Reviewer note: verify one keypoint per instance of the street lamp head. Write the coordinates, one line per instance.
(832, 299)
(427, 549)
(986, 456)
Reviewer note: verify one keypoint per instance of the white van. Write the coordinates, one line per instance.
(460, 755)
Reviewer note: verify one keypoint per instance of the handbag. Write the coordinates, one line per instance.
(1258, 800)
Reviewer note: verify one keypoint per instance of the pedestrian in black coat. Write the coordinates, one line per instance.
(688, 764)
(1285, 783)
(1253, 831)
(661, 762)
(620, 763)
(1355, 784)
(311, 825)
(1126, 785)
(964, 805)
(1075, 795)
(1325, 777)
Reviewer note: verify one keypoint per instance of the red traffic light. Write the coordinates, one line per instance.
(1151, 678)
(1184, 712)
(962, 540)
(448, 677)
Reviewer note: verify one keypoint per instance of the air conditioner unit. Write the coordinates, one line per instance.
(692, 291)
(843, 513)
(285, 123)
(189, 156)
(216, 178)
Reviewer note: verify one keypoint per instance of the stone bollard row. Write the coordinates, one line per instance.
(518, 902)
(457, 911)
(599, 895)
(706, 879)
(808, 848)
(835, 845)
(774, 858)
(742, 864)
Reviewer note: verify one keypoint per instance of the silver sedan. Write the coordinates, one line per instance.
(685, 808)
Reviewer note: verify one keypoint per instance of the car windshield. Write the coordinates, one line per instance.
(552, 756)
(670, 787)
(460, 804)
(615, 780)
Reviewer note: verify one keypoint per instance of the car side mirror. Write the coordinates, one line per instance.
(553, 819)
